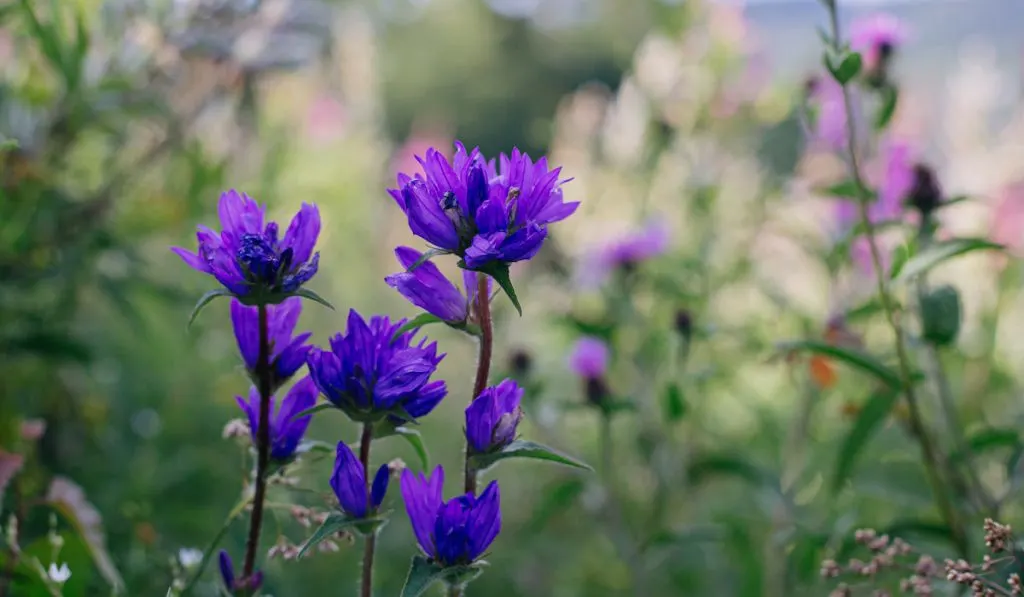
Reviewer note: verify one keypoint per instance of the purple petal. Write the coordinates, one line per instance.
(426, 399)
(523, 244)
(485, 520)
(191, 259)
(288, 430)
(422, 496)
(302, 233)
(227, 570)
(380, 486)
(427, 288)
(239, 214)
(245, 321)
(589, 358)
(426, 218)
(492, 216)
(349, 482)
(484, 250)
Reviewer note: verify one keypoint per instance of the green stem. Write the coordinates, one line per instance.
(917, 426)
(371, 539)
(208, 553)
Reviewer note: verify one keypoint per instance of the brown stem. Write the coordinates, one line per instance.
(262, 445)
(483, 363)
(917, 426)
(371, 539)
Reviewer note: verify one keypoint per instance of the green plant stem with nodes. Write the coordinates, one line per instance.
(371, 538)
(917, 426)
(262, 445)
(483, 363)
(208, 552)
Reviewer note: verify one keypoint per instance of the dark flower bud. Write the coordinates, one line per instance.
(521, 363)
(925, 194)
(684, 324)
(596, 390)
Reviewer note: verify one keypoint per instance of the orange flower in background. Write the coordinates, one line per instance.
(822, 369)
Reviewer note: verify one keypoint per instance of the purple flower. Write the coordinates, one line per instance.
(452, 533)
(826, 95)
(235, 585)
(285, 430)
(349, 483)
(429, 289)
(248, 258)
(492, 418)
(369, 372)
(876, 37)
(287, 353)
(589, 358)
(487, 215)
(626, 252)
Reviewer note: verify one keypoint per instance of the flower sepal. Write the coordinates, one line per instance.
(255, 299)
(338, 522)
(424, 572)
(500, 273)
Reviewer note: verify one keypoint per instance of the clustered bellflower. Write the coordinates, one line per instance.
(429, 289)
(237, 585)
(625, 252)
(287, 353)
(249, 258)
(489, 215)
(492, 419)
(369, 372)
(286, 431)
(589, 360)
(876, 37)
(349, 484)
(452, 533)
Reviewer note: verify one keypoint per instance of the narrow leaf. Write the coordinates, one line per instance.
(850, 356)
(316, 298)
(848, 189)
(525, 449)
(890, 99)
(847, 69)
(501, 275)
(425, 257)
(416, 323)
(68, 498)
(334, 523)
(675, 404)
(313, 410)
(901, 255)
(943, 251)
(992, 438)
(422, 574)
(414, 439)
(871, 417)
(204, 300)
(729, 465)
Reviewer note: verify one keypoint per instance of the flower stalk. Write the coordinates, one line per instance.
(483, 364)
(263, 374)
(371, 539)
(917, 426)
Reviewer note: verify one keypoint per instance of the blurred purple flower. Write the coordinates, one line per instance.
(349, 484)
(248, 258)
(589, 358)
(369, 372)
(236, 585)
(492, 418)
(826, 95)
(627, 251)
(285, 430)
(452, 533)
(287, 353)
(876, 37)
(486, 215)
(429, 289)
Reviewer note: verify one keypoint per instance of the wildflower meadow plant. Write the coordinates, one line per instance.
(379, 372)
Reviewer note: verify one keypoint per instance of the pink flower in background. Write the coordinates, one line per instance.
(875, 37)
(626, 251)
(830, 127)
(589, 358)
(1007, 227)
(417, 143)
(326, 119)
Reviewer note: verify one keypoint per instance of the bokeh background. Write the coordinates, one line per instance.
(124, 120)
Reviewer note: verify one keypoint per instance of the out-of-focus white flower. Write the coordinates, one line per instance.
(190, 557)
(59, 575)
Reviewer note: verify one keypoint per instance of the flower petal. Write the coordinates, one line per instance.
(302, 233)
(426, 218)
(380, 486)
(349, 482)
(422, 496)
(485, 520)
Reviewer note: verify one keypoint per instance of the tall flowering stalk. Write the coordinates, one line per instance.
(260, 269)
(844, 75)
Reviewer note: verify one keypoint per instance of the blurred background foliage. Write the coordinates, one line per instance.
(122, 120)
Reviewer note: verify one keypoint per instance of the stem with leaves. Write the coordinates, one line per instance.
(371, 539)
(263, 374)
(483, 363)
(208, 553)
(917, 426)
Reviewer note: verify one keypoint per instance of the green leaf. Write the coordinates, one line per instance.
(525, 449)
(422, 574)
(675, 404)
(989, 439)
(890, 99)
(941, 315)
(847, 69)
(204, 300)
(553, 501)
(416, 323)
(339, 522)
(708, 466)
(848, 189)
(500, 273)
(388, 428)
(425, 257)
(870, 418)
(901, 255)
(69, 499)
(943, 251)
(314, 445)
(312, 296)
(685, 536)
(850, 356)
(313, 410)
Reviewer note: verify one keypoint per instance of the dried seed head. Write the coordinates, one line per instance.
(997, 535)
(830, 569)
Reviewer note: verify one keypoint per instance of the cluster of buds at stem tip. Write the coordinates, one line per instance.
(589, 360)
